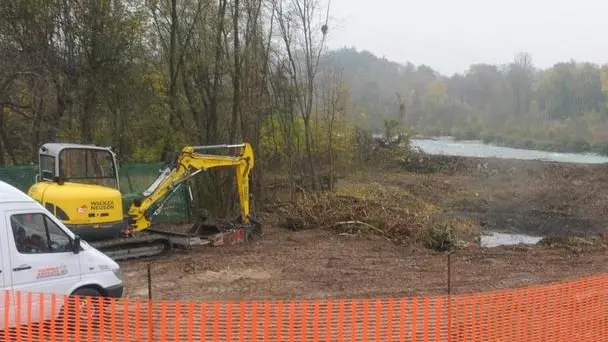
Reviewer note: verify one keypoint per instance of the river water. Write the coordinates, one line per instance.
(448, 146)
(475, 148)
(494, 239)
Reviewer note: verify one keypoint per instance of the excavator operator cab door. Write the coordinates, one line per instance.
(86, 164)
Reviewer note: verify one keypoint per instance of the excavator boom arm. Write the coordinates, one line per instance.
(189, 163)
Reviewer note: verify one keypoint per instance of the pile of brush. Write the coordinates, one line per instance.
(379, 211)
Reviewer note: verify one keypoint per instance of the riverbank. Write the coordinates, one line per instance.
(557, 142)
(586, 134)
(570, 146)
(506, 195)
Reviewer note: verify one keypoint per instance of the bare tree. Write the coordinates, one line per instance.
(334, 97)
(174, 29)
(303, 36)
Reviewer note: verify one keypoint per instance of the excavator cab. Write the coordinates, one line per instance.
(84, 164)
(79, 184)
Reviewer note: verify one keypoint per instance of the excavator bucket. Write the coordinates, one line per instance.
(225, 233)
(216, 233)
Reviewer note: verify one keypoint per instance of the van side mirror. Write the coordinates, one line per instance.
(76, 245)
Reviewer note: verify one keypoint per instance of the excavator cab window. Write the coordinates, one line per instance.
(47, 167)
(89, 166)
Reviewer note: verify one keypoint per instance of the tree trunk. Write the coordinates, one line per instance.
(308, 142)
(2, 156)
(173, 61)
(236, 76)
(86, 118)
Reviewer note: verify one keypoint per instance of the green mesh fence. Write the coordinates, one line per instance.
(21, 177)
(134, 179)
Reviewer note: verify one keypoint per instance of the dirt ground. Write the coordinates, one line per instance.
(535, 198)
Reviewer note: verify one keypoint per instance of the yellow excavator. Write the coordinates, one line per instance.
(79, 184)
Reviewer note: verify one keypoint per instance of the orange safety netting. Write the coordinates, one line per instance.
(568, 311)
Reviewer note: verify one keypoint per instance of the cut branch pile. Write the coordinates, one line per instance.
(394, 215)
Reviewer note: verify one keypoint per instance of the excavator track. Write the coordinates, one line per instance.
(140, 246)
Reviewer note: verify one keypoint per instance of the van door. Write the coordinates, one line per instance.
(41, 261)
(6, 296)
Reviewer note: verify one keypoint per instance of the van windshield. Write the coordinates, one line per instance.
(88, 166)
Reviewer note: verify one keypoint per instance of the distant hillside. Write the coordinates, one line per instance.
(378, 86)
(560, 108)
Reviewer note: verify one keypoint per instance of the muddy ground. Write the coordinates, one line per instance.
(536, 198)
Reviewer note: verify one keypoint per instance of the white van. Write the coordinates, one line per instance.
(38, 254)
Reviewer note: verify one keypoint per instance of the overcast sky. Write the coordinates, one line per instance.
(449, 35)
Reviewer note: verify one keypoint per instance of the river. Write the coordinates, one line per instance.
(475, 148)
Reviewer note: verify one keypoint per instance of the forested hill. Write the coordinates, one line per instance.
(560, 108)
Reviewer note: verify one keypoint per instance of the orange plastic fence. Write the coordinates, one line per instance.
(568, 311)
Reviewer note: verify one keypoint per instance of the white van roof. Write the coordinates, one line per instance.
(9, 193)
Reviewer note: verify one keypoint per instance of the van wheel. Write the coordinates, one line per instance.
(88, 309)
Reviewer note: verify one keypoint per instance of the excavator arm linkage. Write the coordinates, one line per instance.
(189, 163)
